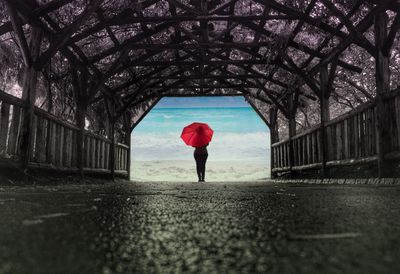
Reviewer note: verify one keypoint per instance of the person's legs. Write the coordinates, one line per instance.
(198, 165)
(203, 167)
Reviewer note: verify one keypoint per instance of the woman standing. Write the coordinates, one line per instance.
(201, 155)
(198, 135)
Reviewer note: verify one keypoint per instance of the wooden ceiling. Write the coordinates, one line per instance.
(135, 50)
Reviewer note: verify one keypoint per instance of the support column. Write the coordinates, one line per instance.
(292, 129)
(80, 146)
(29, 95)
(382, 78)
(324, 115)
(274, 136)
(110, 106)
(128, 131)
(79, 86)
(112, 150)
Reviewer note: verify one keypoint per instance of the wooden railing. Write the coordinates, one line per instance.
(54, 141)
(350, 138)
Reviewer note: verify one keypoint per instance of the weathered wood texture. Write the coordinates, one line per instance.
(350, 137)
(54, 141)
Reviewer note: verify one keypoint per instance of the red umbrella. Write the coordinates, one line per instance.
(197, 134)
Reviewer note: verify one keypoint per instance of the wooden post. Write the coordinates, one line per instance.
(382, 78)
(292, 128)
(79, 85)
(274, 135)
(80, 146)
(325, 116)
(127, 129)
(112, 150)
(110, 106)
(29, 94)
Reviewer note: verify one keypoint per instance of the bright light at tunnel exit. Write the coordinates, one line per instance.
(239, 150)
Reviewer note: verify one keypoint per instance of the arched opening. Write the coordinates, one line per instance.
(240, 149)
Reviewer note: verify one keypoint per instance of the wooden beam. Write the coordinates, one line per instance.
(362, 41)
(195, 63)
(40, 11)
(326, 41)
(309, 81)
(20, 36)
(392, 34)
(63, 38)
(301, 47)
(361, 27)
(219, 86)
(127, 44)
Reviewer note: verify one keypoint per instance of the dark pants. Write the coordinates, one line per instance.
(201, 165)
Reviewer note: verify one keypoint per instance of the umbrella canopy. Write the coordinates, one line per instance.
(197, 134)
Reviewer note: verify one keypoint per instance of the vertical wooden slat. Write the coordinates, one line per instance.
(32, 145)
(67, 148)
(397, 107)
(315, 145)
(40, 151)
(96, 153)
(356, 136)
(60, 144)
(86, 149)
(51, 142)
(310, 149)
(14, 131)
(5, 115)
(73, 148)
(91, 140)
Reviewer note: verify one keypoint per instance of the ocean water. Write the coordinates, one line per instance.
(240, 142)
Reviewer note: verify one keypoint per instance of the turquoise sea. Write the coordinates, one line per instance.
(240, 139)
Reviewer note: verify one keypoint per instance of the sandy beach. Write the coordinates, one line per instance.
(185, 170)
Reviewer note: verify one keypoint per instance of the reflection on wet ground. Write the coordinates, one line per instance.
(200, 228)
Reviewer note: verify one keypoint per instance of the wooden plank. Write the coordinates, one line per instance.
(51, 142)
(318, 139)
(60, 144)
(310, 149)
(33, 141)
(107, 158)
(73, 148)
(356, 136)
(371, 114)
(4, 127)
(367, 130)
(328, 142)
(68, 147)
(102, 155)
(338, 137)
(87, 151)
(316, 149)
(278, 158)
(40, 146)
(14, 131)
(99, 156)
(95, 155)
(397, 117)
(91, 152)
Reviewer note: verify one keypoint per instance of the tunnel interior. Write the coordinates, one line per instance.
(322, 76)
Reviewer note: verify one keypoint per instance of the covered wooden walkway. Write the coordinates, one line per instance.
(89, 71)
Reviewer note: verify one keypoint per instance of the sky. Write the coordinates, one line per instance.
(203, 102)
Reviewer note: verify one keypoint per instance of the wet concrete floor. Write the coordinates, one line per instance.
(200, 228)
